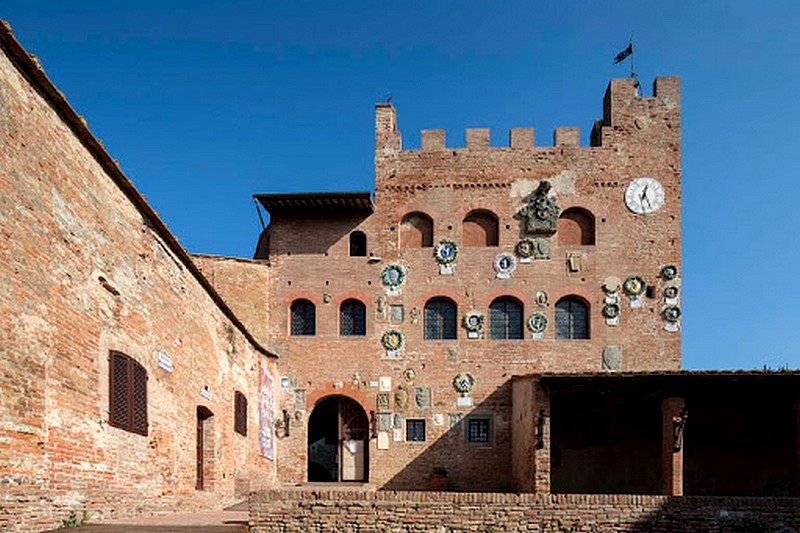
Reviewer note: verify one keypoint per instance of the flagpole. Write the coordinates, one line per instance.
(633, 52)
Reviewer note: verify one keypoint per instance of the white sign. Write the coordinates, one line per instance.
(164, 361)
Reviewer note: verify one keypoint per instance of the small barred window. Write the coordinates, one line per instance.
(440, 319)
(415, 430)
(505, 319)
(479, 430)
(572, 319)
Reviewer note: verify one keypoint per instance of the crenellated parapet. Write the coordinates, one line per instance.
(624, 113)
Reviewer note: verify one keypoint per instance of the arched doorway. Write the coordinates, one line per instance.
(337, 441)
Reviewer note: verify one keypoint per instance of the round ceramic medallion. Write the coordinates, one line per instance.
(445, 252)
(392, 340)
(611, 310)
(393, 275)
(537, 323)
(463, 382)
(634, 286)
(672, 313)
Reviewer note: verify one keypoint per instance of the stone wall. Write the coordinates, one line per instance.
(87, 268)
(395, 512)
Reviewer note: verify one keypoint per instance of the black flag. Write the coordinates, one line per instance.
(625, 53)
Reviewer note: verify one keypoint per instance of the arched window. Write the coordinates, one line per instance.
(304, 318)
(416, 231)
(352, 318)
(505, 319)
(572, 318)
(440, 319)
(575, 227)
(358, 244)
(480, 228)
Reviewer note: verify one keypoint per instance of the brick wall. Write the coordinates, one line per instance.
(324, 511)
(88, 268)
(309, 259)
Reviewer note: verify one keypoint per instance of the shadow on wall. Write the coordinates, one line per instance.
(452, 462)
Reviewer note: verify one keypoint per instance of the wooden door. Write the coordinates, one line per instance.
(200, 484)
(352, 438)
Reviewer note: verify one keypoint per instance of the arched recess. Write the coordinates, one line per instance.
(576, 227)
(480, 228)
(338, 438)
(416, 231)
(205, 453)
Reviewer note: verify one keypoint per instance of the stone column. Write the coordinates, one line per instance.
(541, 456)
(671, 459)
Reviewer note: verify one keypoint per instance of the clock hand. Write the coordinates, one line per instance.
(645, 197)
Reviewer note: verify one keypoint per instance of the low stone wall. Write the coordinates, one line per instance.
(312, 511)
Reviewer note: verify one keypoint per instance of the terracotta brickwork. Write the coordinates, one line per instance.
(299, 511)
(87, 268)
(309, 259)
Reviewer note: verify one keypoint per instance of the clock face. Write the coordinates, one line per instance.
(644, 195)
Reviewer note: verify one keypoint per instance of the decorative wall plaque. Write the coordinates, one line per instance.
(669, 272)
(611, 284)
(401, 398)
(463, 382)
(422, 397)
(382, 401)
(384, 421)
(398, 421)
(540, 214)
(670, 292)
(612, 358)
(611, 310)
(634, 286)
(473, 322)
(573, 261)
(524, 249)
(537, 323)
(445, 254)
(392, 277)
(392, 340)
(396, 314)
(504, 264)
(672, 313)
(542, 299)
(410, 374)
(541, 248)
(455, 419)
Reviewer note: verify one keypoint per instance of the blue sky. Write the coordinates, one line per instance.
(206, 102)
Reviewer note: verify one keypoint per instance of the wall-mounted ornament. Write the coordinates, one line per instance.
(392, 277)
(611, 314)
(574, 263)
(669, 272)
(634, 287)
(671, 295)
(540, 214)
(672, 316)
(446, 253)
(414, 315)
(612, 358)
(473, 322)
(392, 341)
(401, 398)
(504, 265)
(463, 383)
(525, 250)
(672, 313)
(611, 284)
(326, 298)
(410, 374)
(537, 323)
(422, 398)
(644, 195)
(541, 248)
(382, 401)
(542, 299)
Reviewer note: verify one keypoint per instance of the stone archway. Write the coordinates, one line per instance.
(338, 436)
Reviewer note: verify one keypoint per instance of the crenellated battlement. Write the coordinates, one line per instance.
(626, 116)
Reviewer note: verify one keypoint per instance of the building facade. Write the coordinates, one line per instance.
(400, 318)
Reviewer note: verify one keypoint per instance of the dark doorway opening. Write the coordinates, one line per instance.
(338, 441)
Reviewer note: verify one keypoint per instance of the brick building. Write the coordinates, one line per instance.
(491, 319)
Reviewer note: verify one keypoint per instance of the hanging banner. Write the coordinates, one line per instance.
(266, 414)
